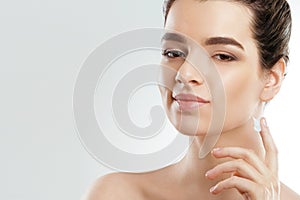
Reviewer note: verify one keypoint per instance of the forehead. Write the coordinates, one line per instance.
(214, 18)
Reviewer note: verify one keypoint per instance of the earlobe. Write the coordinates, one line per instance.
(273, 81)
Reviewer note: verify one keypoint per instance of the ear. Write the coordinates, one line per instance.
(273, 81)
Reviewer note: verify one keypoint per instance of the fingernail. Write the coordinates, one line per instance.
(207, 173)
(212, 188)
(216, 150)
(265, 122)
(256, 124)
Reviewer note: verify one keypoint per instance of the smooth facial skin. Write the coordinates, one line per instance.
(229, 44)
(243, 164)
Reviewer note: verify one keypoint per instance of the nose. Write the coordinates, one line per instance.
(188, 75)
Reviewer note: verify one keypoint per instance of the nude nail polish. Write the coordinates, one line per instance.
(256, 124)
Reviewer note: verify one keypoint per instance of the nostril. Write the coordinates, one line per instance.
(194, 82)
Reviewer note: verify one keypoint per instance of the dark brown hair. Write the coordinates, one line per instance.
(271, 27)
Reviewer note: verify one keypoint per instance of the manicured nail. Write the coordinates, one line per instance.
(256, 124)
(212, 188)
(265, 122)
(216, 150)
(207, 173)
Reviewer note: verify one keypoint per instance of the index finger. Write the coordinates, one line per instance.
(271, 157)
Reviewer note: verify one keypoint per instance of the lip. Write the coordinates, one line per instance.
(189, 101)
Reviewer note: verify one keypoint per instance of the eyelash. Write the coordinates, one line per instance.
(172, 53)
(222, 57)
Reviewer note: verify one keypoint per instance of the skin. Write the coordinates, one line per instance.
(243, 164)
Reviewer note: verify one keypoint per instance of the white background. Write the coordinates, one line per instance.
(42, 46)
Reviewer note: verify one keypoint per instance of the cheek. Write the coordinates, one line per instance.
(167, 102)
(242, 90)
(165, 97)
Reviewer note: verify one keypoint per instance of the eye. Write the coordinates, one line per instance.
(224, 57)
(169, 53)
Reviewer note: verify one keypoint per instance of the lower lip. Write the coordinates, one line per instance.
(189, 105)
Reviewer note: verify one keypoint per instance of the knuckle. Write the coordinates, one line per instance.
(237, 165)
(252, 152)
(234, 180)
(249, 153)
(274, 150)
(239, 162)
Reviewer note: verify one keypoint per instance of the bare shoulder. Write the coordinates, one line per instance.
(288, 194)
(133, 186)
(114, 186)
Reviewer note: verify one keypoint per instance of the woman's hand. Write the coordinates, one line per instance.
(253, 178)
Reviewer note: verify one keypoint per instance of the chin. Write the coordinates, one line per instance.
(189, 125)
(185, 130)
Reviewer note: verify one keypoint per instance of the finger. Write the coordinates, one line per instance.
(242, 153)
(239, 167)
(244, 186)
(271, 158)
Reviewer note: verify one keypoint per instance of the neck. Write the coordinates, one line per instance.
(192, 169)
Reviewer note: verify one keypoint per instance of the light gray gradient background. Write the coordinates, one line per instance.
(42, 46)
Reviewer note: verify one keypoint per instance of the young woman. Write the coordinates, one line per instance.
(247, 40)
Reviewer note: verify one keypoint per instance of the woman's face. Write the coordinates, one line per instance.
(223, 30)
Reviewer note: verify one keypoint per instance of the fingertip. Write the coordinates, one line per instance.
(216, 150)
(263, 122)
(209, 176)
(213, 189)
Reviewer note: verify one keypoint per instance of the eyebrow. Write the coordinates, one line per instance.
(173, 37)
(210, 41)
(224, 41)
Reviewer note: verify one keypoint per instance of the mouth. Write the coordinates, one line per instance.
(189, 101)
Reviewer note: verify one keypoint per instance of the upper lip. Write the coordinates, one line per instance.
(190, 97)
